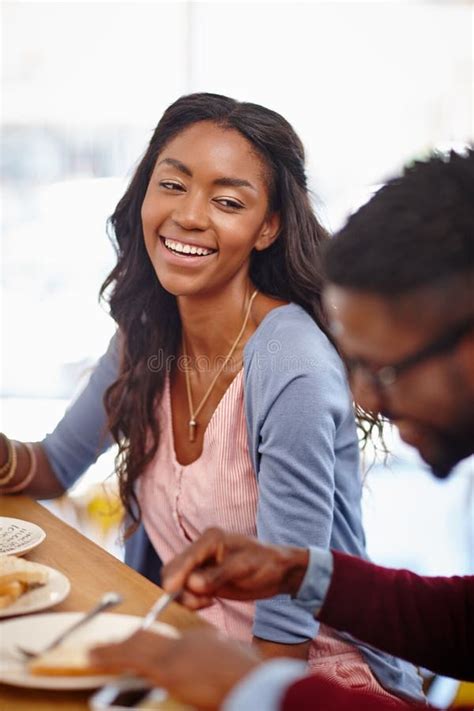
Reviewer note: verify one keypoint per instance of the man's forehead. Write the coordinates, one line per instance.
(354, 309)
(362, 321)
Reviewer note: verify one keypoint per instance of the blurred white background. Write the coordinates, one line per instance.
(369, 86)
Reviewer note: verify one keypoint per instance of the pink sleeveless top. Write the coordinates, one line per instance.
(220, 489)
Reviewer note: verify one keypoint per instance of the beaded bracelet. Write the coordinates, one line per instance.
(8, 445)
(7, 471)
(5, 467)
(29, 475)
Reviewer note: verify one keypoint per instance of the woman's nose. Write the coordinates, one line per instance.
(366, 392)
(191, 212)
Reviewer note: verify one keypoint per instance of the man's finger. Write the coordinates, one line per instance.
(195, 602)
(209, 580)
(108, 655)
(176, 572)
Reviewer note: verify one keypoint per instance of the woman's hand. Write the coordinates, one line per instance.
(200, 668)
(33, 478)
(227, 565)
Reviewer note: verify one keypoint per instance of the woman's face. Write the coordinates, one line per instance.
(205, 210)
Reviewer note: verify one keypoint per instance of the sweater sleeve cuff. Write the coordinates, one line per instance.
(264, 688)
(316, 581)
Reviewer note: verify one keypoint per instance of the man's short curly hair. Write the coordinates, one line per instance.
(416, 231)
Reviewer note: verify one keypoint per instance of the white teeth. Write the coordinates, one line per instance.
(186, 248)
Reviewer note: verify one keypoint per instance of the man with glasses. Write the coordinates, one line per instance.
(400, 302)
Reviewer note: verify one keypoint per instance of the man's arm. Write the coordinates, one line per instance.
(427, 620)
(210, 671)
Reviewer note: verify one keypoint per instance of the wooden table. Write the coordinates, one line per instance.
(91, 571)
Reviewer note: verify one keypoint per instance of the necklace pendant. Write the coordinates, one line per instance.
(192, 430)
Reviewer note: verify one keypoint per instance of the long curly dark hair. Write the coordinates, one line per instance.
(289, 269)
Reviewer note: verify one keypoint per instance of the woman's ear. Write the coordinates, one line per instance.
(269, 232)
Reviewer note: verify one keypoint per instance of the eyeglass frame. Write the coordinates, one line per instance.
(388, 375)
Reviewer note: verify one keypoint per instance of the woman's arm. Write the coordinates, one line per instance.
(296, 402)
(44, 483)
(77, 441)
(295, 505)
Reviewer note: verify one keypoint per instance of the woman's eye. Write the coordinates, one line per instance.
(170, 185)
(229, 203)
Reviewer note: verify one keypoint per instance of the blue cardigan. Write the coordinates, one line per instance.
(304, 449)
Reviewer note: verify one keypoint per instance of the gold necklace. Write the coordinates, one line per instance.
(193, 413)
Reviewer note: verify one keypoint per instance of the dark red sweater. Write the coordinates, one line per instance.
(319, 694)
(428, 621)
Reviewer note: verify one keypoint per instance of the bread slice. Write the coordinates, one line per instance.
(65, 660)
(10, 592)
(18, 575)
(14, 569)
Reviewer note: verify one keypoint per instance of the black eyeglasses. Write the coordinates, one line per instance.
(388, 374)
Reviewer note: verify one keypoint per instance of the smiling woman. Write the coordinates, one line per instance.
(213, 205)
(248, 423)
(251, 428)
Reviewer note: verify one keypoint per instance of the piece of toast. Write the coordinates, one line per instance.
(65, 660)
(14, 569)
(10, 592)
(18, 575)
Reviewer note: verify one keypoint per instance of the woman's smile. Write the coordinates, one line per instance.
(184, 253)
(187, 248)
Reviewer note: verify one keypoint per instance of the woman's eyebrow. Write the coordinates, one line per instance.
(225, 182)
(234, 183)
(176, 164)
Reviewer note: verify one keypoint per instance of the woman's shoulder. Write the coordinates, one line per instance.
(290, 359)
(289, 346)
(288, 329)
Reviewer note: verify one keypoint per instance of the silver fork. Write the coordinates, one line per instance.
(157, 608)
(107, 600)
(123, 682)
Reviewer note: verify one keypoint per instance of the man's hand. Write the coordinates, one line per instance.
(227, 565)
(199, 669)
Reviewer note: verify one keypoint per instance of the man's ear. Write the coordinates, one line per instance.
(465, 358)
(269, 232)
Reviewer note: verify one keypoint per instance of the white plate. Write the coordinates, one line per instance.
(18, 536)
(52, 593)
(35, 632)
